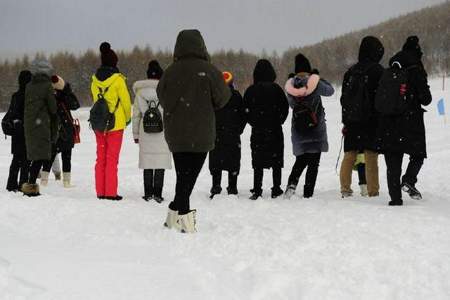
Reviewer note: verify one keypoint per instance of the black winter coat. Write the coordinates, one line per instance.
(406, 133)
(230, 123)
(17, 110)
(362, 135)
(66, 101)
(267, 109)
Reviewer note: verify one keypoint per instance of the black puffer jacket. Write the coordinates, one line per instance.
(17, 107)
(406, 133)
(362, 135)
(267, 109)
(66, 101)
(230, 122)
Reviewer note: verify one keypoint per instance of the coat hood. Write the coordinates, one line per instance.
(190, 43)
(264, 72)
(143, 84)
(108, 82)
(104, 72)
(41, 66)
(371, 49)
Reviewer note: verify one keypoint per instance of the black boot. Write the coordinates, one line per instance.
(216, 180)
(157, 195)
(255, 194)
(215, 190)
(232, 183)
(308, 191)
(396, 202)
(276, 192)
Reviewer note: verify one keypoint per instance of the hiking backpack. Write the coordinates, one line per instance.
(305, 115)
(355, 101)
(152, 120)
(100, 118)
(391, 97)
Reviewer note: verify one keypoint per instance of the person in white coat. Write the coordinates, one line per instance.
(154, 154)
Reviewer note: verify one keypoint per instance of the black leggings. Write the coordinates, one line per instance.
(66, 157)
(187, 166)
(311, 161)
(35, 168)
(20, 164)
(153, 182)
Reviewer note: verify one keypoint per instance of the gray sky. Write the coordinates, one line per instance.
(75, 25)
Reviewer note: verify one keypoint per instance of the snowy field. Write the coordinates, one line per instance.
(69, 245)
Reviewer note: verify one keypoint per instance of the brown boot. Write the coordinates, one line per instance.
(30, 190)
(346, 173)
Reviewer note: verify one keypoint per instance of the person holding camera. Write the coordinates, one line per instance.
(308, 131)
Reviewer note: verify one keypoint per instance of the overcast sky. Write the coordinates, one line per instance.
(75, 25)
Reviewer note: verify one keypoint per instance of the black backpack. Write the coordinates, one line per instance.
(100, 118)
(7, 123)
(391, 98)
(152, 120)
(305, 115)
(355, 101)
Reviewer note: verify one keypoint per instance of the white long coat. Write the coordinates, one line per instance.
(153, 150)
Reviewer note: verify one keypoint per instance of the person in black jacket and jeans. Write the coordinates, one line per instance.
(226, 156)
(267, 109)
(19, 162)
(66, 101)
(405, 133)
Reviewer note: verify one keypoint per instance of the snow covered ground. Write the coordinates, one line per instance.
(68, 245)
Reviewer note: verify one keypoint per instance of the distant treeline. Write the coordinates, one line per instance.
(332, 57)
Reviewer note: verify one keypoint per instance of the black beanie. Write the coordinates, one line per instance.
(302, 64)
(154, 70)
(24, 78)
(412, 45)
(108, 56)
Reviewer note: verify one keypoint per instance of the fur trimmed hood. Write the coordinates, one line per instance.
(142, 84)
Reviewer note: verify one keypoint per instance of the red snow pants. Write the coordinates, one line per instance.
(108, 150)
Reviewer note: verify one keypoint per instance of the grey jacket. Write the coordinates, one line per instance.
(316, 139)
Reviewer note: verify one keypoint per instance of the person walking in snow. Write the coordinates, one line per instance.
(267, 110)
(148, 132)
(359, 116)
(66, 101)
(190, 91)
(404, 132)
(226, 156)
(19, 161)
(308, 129)
(109, 84)
(40, 122)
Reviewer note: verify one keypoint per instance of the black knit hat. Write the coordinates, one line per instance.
(154, 70)
(412, 45)
(108, 56)
(24, 78)
(302, 64)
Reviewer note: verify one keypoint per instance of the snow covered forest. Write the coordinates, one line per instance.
(430, 24)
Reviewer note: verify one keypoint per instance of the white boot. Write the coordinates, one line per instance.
(172, 220)
(290, 191)
(66, 180)
(44, 178)
(187, 222)
(363, 188)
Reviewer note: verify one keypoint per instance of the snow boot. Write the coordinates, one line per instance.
(396, 202)
(215, 190)
(44, 178)
(113, 198)
(57, 176)
(308, 191)
(172, 220)
(290, 191)
(255, 194)
(346, 194)
(232, 190)
(363, 190)
(187, 222)
(30, 190)
(412, 191)
(66, 180)
(147, 198)
(276, 192)
(157, 195)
